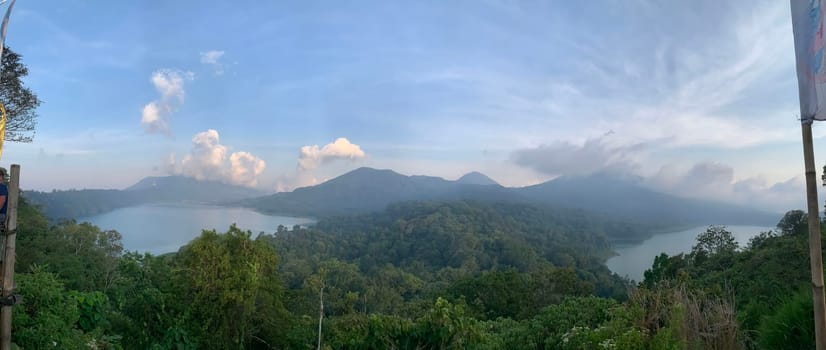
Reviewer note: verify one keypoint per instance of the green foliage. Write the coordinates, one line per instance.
(20, 102)
(794, 222)
(665, 268)
(48, 316)
(391, 262)
(91, 308)
(234, 291)
(715, 240)
(447, 326)
(791, 326)
(146, 311)
(684, 318)
(83, 255)
(419, 276)
(759, 279)
(518, 295)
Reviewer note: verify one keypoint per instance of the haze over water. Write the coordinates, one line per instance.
(164, 228)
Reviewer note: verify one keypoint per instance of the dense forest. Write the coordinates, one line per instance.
(419, 275)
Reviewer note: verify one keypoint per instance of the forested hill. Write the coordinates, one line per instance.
(77, 203)
(442, 248)
(367, 190)
(225, 289)
(419, 275)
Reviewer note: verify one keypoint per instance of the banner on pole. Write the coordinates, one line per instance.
(807, 26)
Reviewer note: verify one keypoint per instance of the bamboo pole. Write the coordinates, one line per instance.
(815, 252)
(8, 261)
(320, 312)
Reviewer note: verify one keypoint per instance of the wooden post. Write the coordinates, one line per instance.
(815, 252)
(320, 312)
(8, 260)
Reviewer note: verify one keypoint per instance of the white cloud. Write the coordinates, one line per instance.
(245, 168)
(153, 118)
(592, 156)
(170, 85)
(208, 160)
(212, 58)
(702, 180)
(310, 157)
(717, 181)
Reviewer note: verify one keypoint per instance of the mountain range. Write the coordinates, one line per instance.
(366, 190)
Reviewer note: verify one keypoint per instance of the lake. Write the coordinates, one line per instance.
(163, 228)
(633, 260)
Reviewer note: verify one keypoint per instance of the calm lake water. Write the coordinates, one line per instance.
(633, 260)
(163, 228)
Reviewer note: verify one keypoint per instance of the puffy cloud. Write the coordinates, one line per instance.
(212, 58)
(245, 168)
(703, 180)
(170, 85)
(153, 118)
(310, 157)
(565, 158)
(208, 160)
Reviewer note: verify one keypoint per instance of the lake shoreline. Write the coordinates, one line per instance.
(632, 260)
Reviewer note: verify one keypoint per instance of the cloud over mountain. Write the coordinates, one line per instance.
(311, 157)
(209, 160)
(564, 158)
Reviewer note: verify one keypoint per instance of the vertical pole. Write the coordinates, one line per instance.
(320, 312)
(8, 261)
(815, 252)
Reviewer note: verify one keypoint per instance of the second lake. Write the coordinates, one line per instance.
(633, 260)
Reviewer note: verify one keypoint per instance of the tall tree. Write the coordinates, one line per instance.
(234, 293)
(716, 240)
(19, 100)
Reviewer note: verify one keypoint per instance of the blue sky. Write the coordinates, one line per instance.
(695, 98)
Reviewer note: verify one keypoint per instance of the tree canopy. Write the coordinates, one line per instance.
(20, 102)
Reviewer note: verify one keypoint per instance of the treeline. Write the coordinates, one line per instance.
(431, 246)
(79, 203)
(462, 275)
(414, 267)
(767, 282)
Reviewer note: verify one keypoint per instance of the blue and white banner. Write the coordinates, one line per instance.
(807, 25)
(5, 27)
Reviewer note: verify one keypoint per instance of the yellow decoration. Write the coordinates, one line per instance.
(2, 128)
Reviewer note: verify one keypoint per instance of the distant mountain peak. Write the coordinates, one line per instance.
(476, 178)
